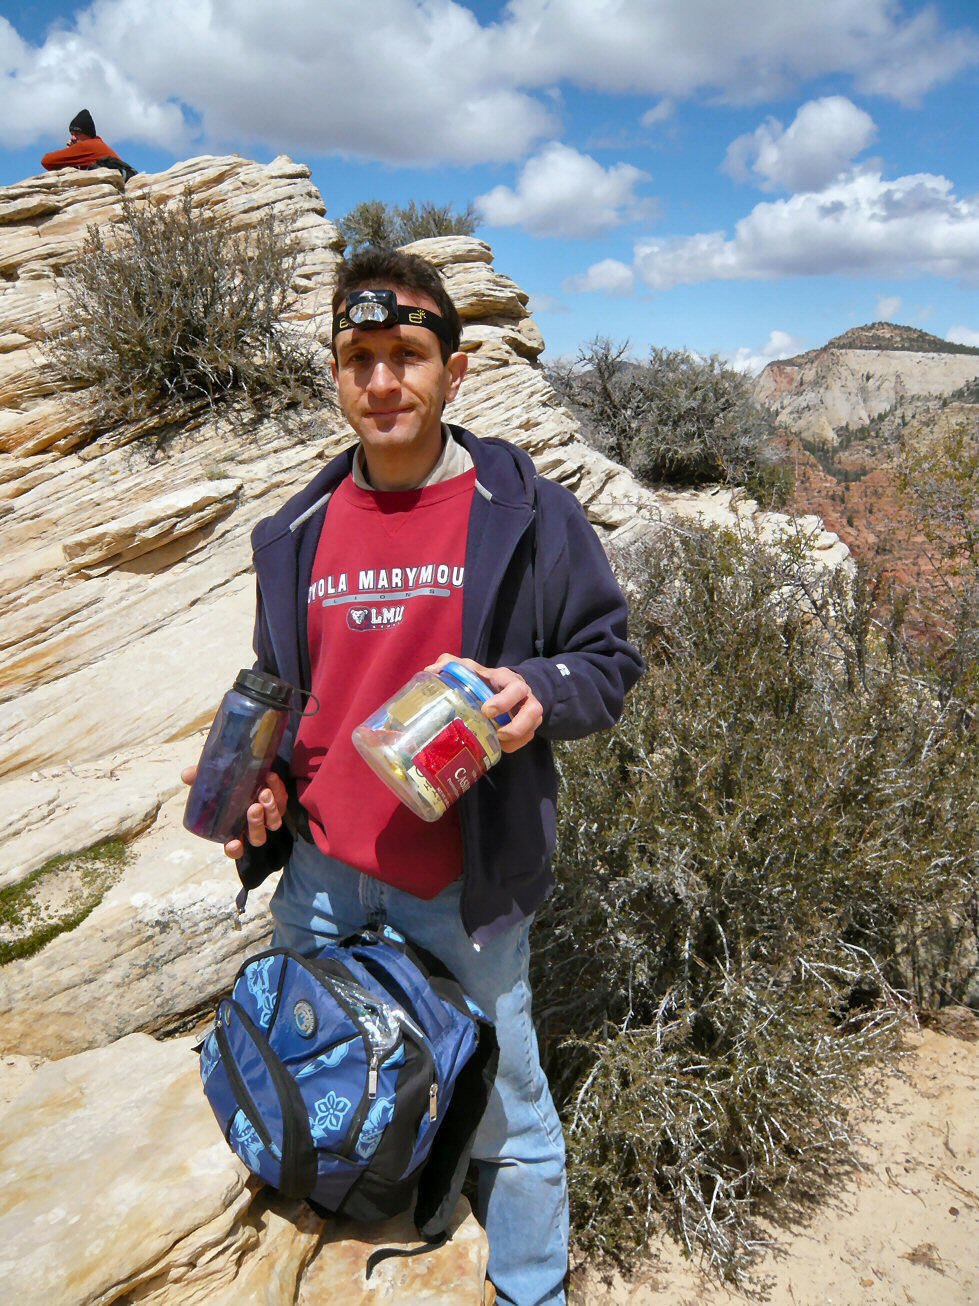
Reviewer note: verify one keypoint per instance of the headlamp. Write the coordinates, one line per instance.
(373, 308)
(376, 310)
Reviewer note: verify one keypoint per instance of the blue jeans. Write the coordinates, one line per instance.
(519, 1150)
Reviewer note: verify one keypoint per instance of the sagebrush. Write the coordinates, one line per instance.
(770, 858)
(373, 222)
(172, 311)
(674, 418)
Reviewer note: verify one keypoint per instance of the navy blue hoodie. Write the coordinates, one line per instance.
(539, 597)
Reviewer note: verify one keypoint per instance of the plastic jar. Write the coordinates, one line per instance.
(430, 743)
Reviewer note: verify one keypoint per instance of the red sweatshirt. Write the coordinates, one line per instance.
(80, 155)
(385, 599)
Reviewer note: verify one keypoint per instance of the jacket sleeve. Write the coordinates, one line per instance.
(259, 862)
(83, 154)
(588, 664)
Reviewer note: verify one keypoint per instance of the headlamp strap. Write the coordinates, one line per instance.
(406, 315)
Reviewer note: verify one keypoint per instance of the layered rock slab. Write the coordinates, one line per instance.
(162, 945)
(116, 1185)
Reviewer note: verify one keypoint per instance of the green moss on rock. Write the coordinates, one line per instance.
(57, 897)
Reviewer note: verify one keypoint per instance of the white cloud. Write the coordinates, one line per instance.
(888, 307)
(561, 192)
(962, 335)
(861, 225)
(660, 112)
(816, 146)
(42, 90)
(748, 52)
(413, 82)
(780, 344)
(609, 277)
(422, 81)
(541, 302)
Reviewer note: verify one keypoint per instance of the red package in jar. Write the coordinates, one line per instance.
(453, 761)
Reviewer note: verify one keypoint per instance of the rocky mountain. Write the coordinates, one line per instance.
(856, 376)
(126, 602)
(846, 410)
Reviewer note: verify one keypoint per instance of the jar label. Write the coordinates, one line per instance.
(452, 762)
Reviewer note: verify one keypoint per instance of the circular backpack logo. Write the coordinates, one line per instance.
(305, 1018)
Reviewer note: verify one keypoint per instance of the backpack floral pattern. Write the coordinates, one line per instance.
(374, 1125)
(259, 982)
(330, 1111)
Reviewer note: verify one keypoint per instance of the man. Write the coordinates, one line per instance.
(85, 149)
(454, 548)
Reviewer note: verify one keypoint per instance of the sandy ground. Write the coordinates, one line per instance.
(904, 1229)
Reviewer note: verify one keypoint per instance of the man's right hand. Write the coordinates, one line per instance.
(265, 813)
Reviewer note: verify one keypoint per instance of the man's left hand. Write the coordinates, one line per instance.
(513, 695)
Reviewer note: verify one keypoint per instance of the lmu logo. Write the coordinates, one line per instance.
(375, 618)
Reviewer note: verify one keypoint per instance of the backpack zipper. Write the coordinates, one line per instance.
(406, 1024)
(330, 982)
(239, 1090)
(297, 1143)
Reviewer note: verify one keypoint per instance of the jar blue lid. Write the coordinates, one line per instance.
(476, 686)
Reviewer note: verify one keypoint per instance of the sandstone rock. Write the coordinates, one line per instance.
(443, 250)
(720, 506)
(451, 1275)
(112, 1158)
(15, 1074)
(64, 810)
(177, 583)
(152, 524)
(478, 291)
(116, 1186)
(162, 944)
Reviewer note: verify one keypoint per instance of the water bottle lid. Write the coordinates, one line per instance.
(267, 689)
(479, 688)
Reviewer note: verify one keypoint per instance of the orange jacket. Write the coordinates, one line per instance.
(80, 155)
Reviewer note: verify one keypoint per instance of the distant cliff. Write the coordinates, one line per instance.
(858, 375)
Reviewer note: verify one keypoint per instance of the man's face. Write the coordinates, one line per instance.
(393, 383)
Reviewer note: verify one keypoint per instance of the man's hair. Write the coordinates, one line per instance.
(377, 269)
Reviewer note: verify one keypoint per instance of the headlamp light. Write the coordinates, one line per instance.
(375, 310)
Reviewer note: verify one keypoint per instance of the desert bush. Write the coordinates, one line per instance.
(759, 868)
(376, 223)
(938, 473)
(674, 419)
(173, 311)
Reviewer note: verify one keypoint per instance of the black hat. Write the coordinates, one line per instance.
(82, 122)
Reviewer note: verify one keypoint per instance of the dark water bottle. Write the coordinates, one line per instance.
(238, 754)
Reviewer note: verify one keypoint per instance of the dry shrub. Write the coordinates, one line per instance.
(772, 855)
(372, 222)
(172, 312)
(674, 418)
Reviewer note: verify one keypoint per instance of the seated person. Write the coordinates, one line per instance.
(85, 149)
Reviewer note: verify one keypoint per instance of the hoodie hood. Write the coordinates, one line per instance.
(83, 122)
(504, 475)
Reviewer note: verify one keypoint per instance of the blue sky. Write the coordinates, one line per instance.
(747, 177)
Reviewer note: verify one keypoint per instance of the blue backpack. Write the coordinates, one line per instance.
(354, 1079)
